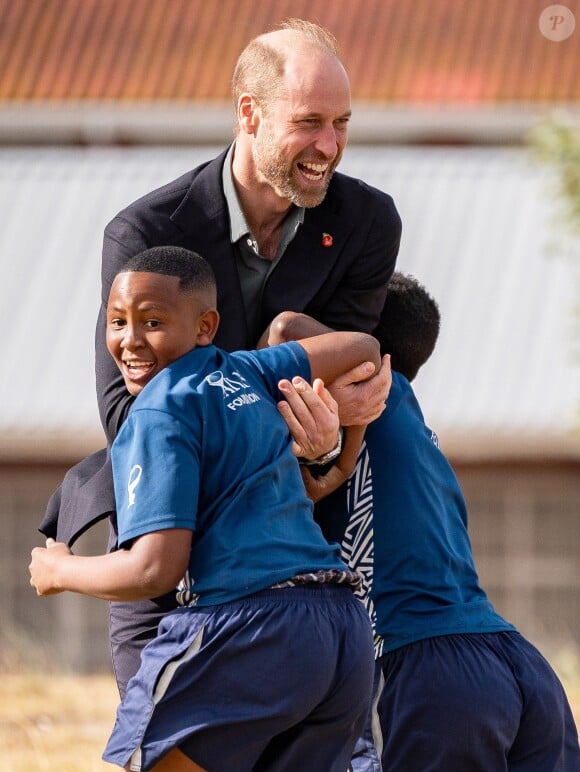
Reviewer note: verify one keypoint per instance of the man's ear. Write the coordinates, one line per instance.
(248, 114)
(208, 323)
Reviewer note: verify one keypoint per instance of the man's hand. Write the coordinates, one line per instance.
(362, 399)
(311, 415)
(43, 566)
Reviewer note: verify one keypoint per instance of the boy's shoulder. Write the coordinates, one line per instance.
(402, 407)
(188, 378)
(177, 383)
(400, 390)
(273, 356)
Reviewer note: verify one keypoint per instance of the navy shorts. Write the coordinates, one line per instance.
(279, 680)
(477, 702)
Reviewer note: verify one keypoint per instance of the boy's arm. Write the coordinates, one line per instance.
(349, 348)
(361, 392)
(153, 565)
(291, 325)
(333, 354)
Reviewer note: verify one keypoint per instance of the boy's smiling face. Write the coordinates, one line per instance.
(151, 322)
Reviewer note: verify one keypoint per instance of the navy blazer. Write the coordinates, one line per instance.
(342, 284)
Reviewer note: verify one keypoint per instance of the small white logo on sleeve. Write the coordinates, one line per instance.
(231, 386)
(134, 477)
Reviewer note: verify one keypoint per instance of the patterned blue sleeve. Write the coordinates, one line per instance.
(156, 463)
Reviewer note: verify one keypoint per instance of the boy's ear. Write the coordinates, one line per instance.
(208, 323)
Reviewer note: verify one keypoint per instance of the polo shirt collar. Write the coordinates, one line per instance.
(239, 227)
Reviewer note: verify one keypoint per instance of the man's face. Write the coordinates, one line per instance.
(150, 323)
(301, 136)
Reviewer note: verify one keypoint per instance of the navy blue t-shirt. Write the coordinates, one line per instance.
(204, 448)
(407, 532)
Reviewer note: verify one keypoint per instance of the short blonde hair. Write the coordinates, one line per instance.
(314, 33)
(260, 67)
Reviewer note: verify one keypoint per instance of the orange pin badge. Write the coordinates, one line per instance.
(326, 240)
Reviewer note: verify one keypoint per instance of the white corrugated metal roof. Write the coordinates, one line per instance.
(477, 229)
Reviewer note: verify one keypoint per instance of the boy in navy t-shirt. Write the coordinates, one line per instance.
(457, 688)
(267, 664)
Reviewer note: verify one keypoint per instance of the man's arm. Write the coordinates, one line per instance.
(153, 565)
(317, 487)
(311, 415)
(357, 302)
(121, 241)
(293, 326)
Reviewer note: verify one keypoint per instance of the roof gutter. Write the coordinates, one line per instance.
(469, 447)
(171, 123)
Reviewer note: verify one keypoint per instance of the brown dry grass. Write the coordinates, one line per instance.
(60, 723)
(55, 722)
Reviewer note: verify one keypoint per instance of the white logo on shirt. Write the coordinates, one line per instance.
(134, 477)
(231, 386)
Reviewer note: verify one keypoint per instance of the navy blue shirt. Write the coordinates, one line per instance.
(204, 448)
(407, 532)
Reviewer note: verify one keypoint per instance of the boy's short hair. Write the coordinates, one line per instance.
(409, 325)
(192, 270)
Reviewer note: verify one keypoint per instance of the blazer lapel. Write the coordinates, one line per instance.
(203, 217)
(309, 259)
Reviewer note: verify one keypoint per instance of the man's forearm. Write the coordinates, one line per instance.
(317, 487)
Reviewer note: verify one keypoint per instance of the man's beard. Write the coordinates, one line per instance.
(272, 165)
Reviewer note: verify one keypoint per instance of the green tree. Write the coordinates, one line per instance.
(555, 141)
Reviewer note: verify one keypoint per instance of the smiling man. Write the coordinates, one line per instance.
(291, 137)
(281, 229)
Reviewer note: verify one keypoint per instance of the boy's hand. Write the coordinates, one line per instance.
(361, 399)
(43, 565)
(311, 415)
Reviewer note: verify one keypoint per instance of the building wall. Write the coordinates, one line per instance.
(525, 531)
(523, 522)
(68, 630)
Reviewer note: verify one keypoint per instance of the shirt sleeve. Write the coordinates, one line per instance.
(156, 471)
(283, 361)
